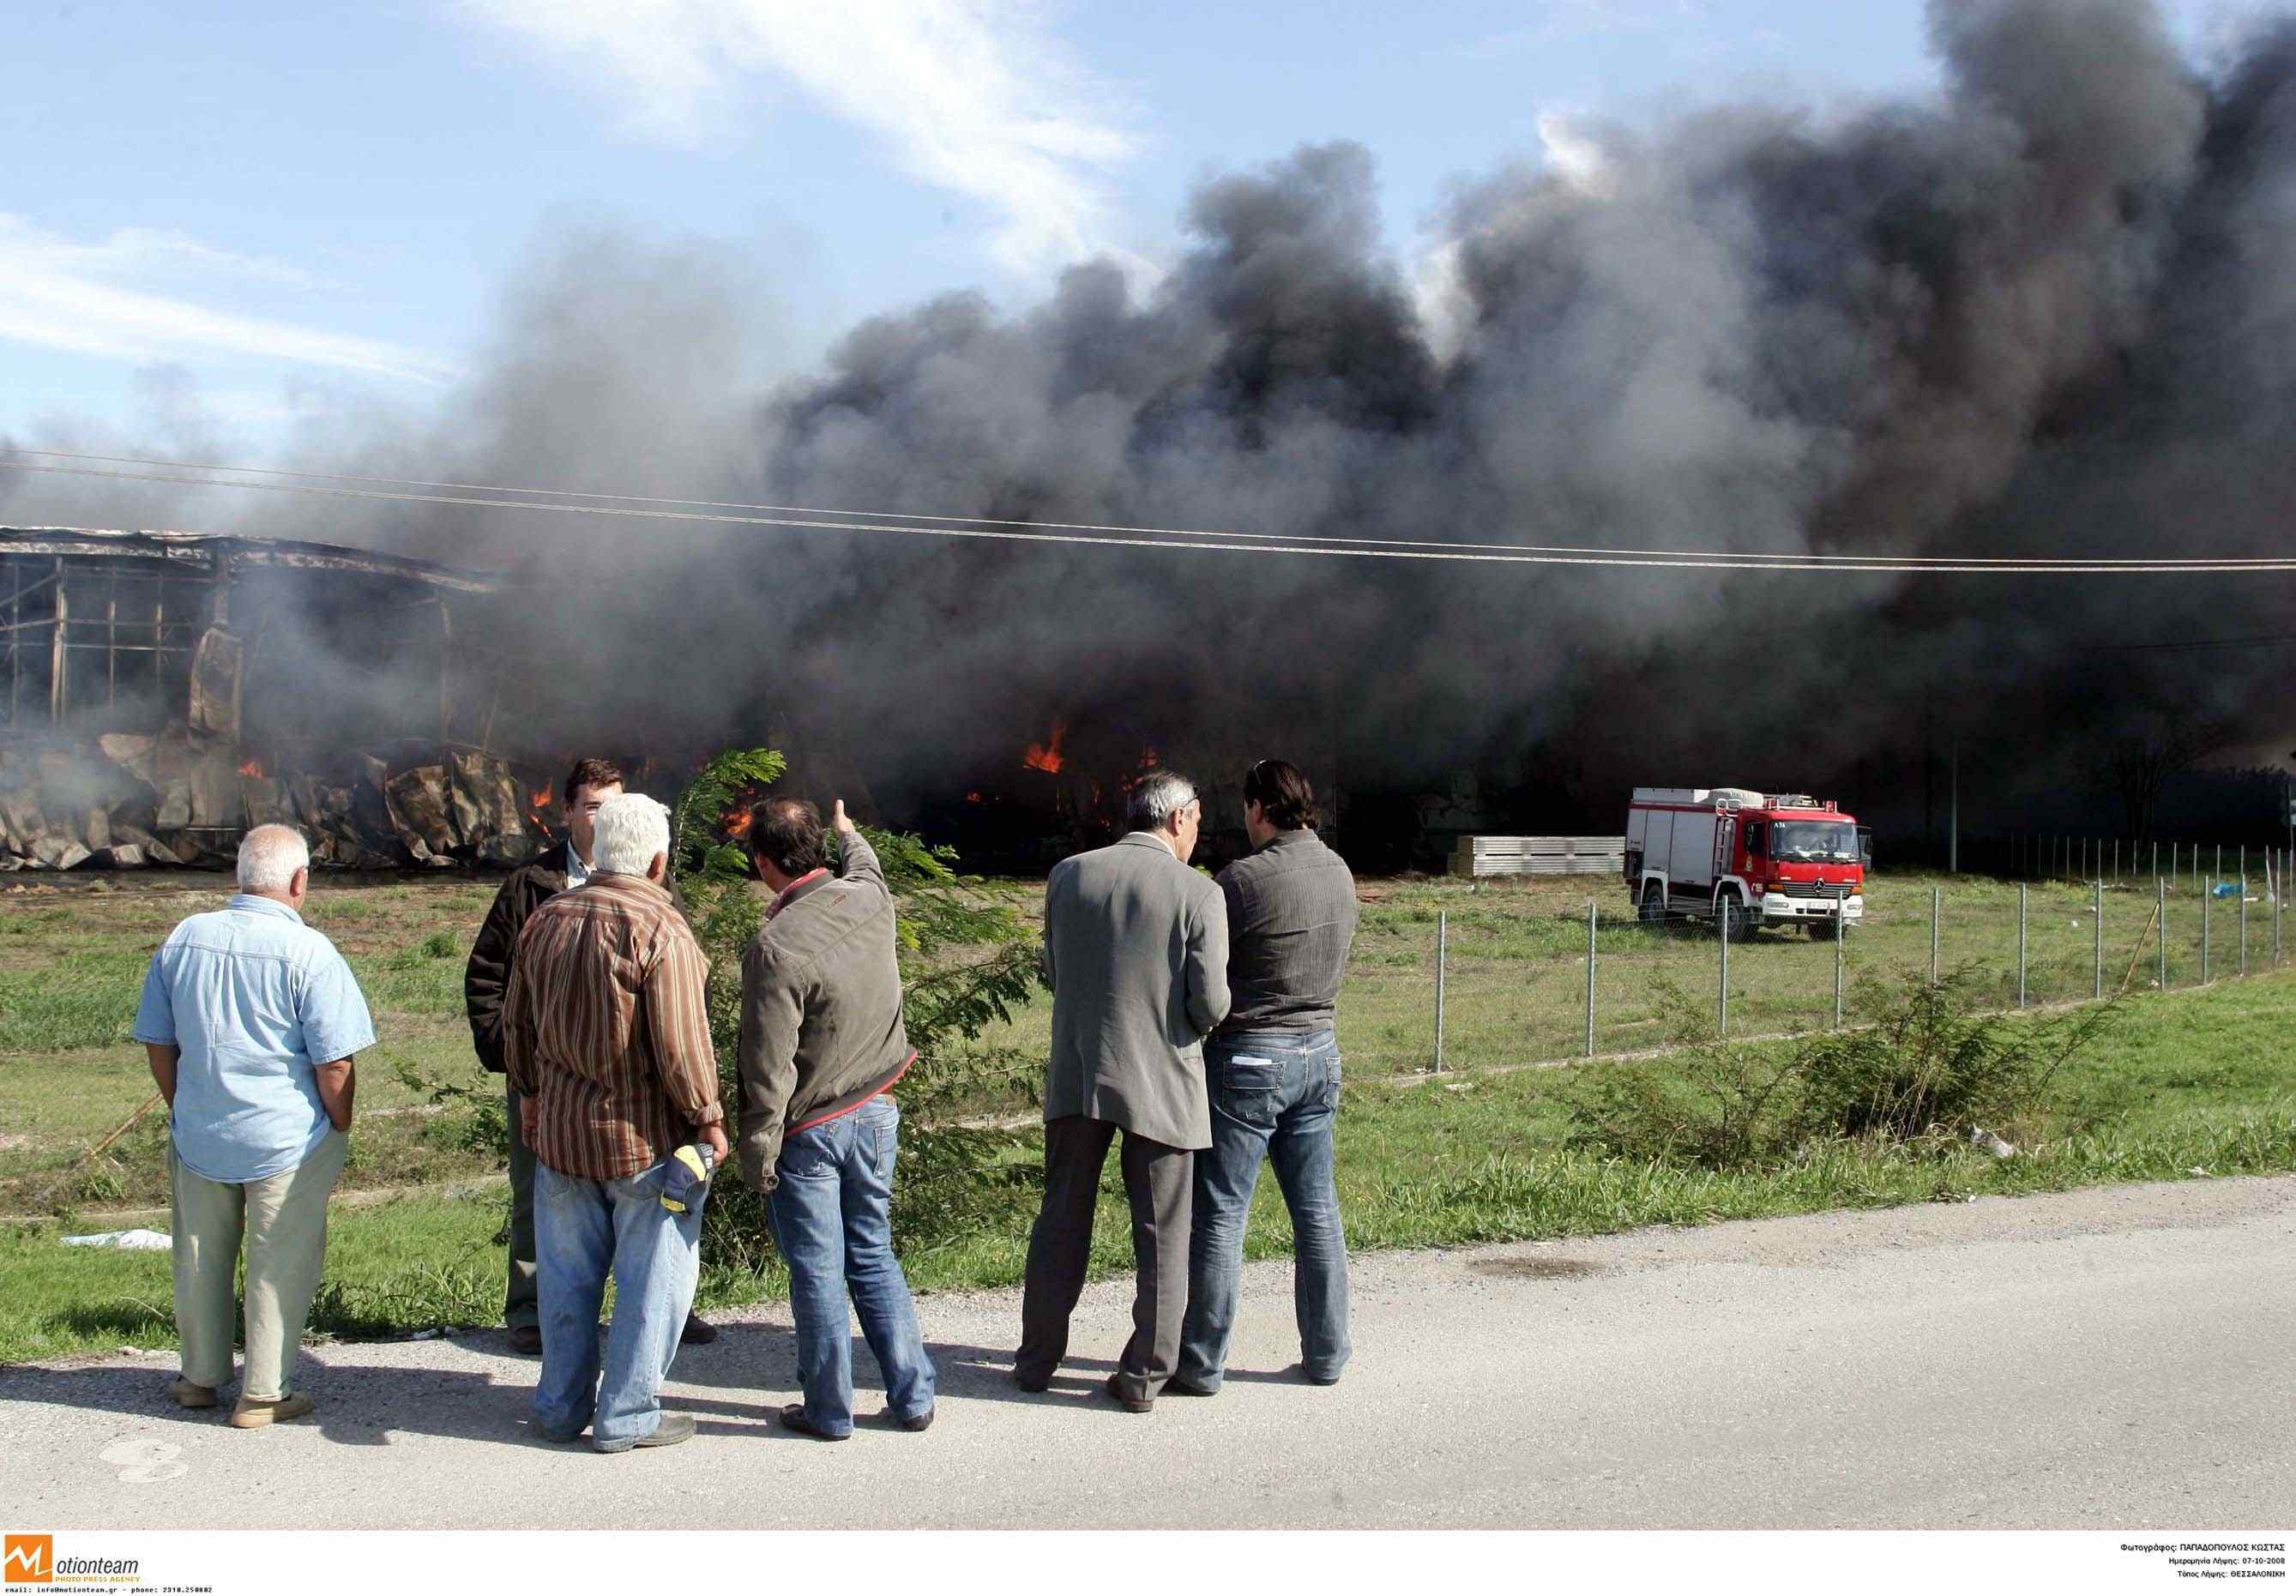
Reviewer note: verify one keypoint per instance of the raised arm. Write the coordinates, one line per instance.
(857, 861)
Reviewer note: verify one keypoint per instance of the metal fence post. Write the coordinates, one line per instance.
(2204, 932)
(1936, 908)
(1590, 977)
(2020, 947)
(2156, 858)
(2161, 954)
(2217, 874)
(1840, 935)
(2243, 925)
(2096, 908)
(1442, 958)
(2279, 891)
(2116, 858)
(1722, 1004)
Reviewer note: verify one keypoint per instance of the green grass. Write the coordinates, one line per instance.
(2200, 1080)
(70, 972)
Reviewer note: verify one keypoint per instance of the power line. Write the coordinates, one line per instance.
(1179, 539)
(1888, 561)
(2211, 642)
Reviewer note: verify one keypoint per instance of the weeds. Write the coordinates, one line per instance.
(1926, 1069)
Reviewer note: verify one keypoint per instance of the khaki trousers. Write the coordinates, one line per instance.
(283, 1222)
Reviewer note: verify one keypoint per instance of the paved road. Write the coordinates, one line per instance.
(2110, 1359)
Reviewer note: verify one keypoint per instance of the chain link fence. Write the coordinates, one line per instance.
(1453, 974)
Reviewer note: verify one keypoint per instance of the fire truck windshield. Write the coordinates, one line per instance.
(1814, 840)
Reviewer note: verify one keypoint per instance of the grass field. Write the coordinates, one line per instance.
(1515, 983)
(2192, 1080)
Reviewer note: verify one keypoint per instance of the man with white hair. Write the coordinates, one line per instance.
(1136, 948)
(606, 1041)
(250, 1020)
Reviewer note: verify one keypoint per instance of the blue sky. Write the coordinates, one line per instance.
(261, 211)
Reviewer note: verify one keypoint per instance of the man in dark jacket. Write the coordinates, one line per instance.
(821, 1047)
(485, 981)
(1273, 1070)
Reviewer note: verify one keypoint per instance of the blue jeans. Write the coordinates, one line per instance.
(832, 1213)
(583, 1231)
(1273, 1094)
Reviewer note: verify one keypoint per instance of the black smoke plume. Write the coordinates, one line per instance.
(2050, 310)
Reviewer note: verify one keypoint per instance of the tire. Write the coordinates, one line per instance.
(1652, 908)
(1743, 925)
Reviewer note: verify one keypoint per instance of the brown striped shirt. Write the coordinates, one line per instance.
(605, 1025)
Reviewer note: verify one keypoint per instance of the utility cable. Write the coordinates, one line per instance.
(2213, 562)
(1150, 531)
(1159, 539)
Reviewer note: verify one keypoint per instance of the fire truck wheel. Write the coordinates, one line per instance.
(1652, 907)
(1743, 925)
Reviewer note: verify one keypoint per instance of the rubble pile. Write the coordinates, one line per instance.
(181, 797)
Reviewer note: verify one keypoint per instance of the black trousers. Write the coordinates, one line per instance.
(1159, 1182)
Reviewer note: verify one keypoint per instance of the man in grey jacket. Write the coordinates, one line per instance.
(1136, 948)
(821, 1047)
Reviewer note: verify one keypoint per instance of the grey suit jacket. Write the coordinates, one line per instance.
(1136, 948)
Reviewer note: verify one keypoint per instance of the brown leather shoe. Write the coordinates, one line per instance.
(672, 1428)
(526, 1339)
(189, 1396)
(793, 1417)
(698, 1331)
(259, 1415)
(1130, 1404)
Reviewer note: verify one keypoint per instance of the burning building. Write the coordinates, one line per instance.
(161, 692)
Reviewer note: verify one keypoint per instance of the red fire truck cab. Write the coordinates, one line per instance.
(1770, 858)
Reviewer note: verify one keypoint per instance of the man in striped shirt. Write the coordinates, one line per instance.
(606, 1038)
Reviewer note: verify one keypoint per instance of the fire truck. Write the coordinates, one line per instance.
(1774, 859)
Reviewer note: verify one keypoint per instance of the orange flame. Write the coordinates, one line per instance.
(1150, 760)
(737, 822)
(972, 797)
(253, 767)
(1048, 757)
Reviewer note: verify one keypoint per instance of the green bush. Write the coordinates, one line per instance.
(1922, 1070)
(1931, 1063)
(967, 960)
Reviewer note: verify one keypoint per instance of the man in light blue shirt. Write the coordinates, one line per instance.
(250, 1020)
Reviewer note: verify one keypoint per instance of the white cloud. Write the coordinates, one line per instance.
(974, 97)
(96, 298)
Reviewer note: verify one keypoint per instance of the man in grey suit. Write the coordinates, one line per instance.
(1136, 948)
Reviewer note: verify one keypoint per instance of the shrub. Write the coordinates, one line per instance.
(967, 960)
(1929, 1062)
(1923, 1070)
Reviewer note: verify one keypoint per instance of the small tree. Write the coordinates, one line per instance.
(967, 960)
(2155, 745)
